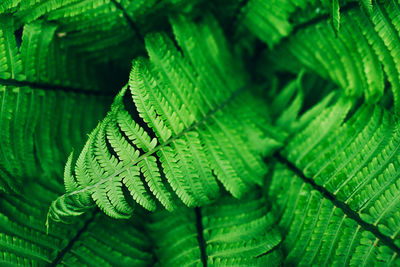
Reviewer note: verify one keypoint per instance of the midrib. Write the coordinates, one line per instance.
(54, 87)
(58, 259)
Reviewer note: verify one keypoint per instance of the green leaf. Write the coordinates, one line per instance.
(192, 149)
(228, 233)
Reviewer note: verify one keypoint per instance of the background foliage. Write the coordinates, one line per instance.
(246, 133)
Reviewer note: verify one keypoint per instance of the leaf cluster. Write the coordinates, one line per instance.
(246, 133)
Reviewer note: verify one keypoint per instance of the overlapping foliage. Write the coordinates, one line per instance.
(246, 133)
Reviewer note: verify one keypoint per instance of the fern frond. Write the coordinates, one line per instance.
(193, 146)
(356, 161)
(320, 233)
(24, 240)
(359, 58)
(37, 103)
(98, 31)
(271, 21)
(39, 129)
(229, 233)
(127, 246)
(40, 59)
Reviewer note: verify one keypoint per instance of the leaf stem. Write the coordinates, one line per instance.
(200, 236)
(68, 247)
(53, 87)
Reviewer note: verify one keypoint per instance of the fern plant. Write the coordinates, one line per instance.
(246, 133)
(198, 132)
